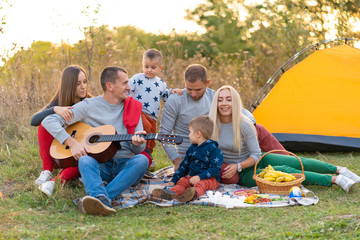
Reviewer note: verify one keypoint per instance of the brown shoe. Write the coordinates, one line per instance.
(80, 206)
(164, 194)
(94, 206)
(189, 194)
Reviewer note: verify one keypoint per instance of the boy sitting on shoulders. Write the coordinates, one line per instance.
(148, 88)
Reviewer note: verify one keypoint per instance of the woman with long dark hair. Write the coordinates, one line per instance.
(73, 88)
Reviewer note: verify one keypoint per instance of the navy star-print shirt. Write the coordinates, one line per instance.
(149, 91)
(204, 160)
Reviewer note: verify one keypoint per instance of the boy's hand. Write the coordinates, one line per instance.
(177, 90)
(171, 184)
(194, 180)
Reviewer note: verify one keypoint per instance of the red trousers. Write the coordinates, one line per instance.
(149, 125)
(45, 139)
(201, 187)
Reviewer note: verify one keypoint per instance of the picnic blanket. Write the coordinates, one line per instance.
(222, 197)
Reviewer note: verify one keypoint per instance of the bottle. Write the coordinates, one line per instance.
(295, 192)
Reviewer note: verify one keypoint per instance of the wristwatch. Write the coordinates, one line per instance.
(239, 167)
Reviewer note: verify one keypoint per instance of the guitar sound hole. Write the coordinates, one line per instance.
(94, 139)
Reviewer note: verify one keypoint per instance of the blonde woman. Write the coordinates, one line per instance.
(237, 139)
(73, 88)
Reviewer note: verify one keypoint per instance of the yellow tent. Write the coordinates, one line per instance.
(315, 106)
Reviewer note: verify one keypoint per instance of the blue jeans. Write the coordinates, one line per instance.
(120, 174)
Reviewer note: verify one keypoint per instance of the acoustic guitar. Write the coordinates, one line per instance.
(102, 141)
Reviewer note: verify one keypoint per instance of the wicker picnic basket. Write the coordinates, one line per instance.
(279, 188)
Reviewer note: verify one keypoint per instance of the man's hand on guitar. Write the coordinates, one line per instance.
(77, 149)
(137, 139)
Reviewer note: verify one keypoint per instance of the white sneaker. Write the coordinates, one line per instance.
(344, 182)
(44, 177)
(47, 187)
(349, 174)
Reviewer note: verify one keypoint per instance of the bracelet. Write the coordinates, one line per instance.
(239, 168)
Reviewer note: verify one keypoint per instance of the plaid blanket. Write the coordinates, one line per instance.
(223, 197)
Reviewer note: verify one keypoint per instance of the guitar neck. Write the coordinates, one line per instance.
(125, 137)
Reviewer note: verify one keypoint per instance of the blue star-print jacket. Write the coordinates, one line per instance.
(204, 160)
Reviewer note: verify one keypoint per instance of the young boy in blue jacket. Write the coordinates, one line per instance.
(200, 169)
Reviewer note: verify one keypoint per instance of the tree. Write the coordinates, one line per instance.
(225, 32)
(316, 17)
(279, 29)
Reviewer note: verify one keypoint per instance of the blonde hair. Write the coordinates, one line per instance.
(237, 116)
(203, 124)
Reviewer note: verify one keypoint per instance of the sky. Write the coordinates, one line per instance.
(55, 21)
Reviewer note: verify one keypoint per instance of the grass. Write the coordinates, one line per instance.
(27, 214)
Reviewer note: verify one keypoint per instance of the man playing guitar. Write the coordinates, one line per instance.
(127, 167)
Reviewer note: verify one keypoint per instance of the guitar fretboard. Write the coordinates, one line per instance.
(125, 137)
